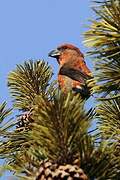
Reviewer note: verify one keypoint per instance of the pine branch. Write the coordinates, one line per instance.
(5, 124)
(104, 39)
(56, 129)
(27, 81)
(60, 122)
(109, 119)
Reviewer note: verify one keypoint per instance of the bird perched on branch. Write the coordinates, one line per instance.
(73, 72)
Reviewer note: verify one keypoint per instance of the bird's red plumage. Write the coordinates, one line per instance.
(71, 61)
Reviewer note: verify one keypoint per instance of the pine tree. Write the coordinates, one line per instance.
(50, 136)
(103, 37)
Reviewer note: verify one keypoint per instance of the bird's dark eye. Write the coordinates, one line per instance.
(61, 48)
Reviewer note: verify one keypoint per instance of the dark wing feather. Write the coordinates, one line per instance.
(73, 73)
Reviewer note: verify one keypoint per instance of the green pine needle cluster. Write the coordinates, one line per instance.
(103, 37)
(27, 81)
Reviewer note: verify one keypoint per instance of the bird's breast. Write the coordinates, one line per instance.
(67, 84)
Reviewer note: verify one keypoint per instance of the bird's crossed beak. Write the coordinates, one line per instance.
(54, 53)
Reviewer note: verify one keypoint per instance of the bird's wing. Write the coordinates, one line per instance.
(74, 74)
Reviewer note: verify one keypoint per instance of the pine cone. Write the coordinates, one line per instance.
(24, 122)
(52, 171)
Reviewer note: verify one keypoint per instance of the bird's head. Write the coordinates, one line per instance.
(65, 53)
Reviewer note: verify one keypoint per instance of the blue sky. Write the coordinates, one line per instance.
(29, 29)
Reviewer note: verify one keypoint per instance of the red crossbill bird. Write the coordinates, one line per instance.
(73, 72)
